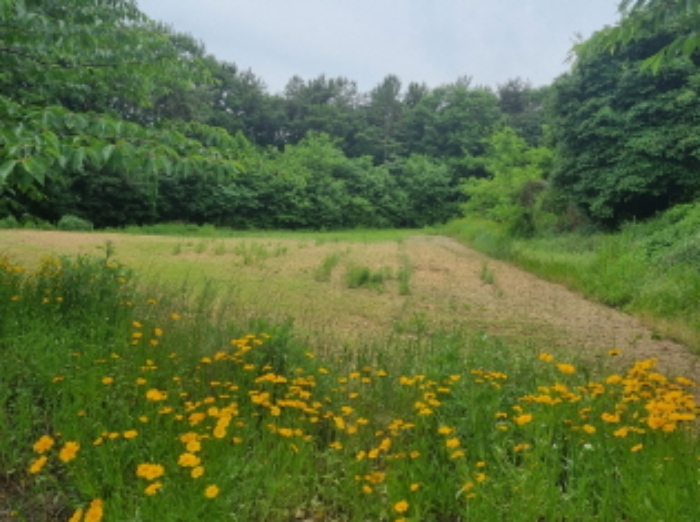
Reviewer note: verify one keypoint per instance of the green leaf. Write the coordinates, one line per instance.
(6, 169)
(36, 167)
(107, 153)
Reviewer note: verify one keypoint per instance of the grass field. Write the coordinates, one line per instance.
(411, 386)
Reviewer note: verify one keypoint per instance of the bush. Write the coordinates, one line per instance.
(9, 222)
(69, 222)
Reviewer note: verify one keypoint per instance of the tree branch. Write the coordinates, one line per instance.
(59, 65)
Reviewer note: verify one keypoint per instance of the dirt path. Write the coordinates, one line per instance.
(449, 283)
(526, 305)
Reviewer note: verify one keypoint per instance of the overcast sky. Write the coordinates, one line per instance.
(431, 41)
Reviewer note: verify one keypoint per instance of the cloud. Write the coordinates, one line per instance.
(433, 41)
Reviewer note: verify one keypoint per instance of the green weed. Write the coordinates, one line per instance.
(404, 276)
(362, 276)
(201, 247)
(323, 272)
(486, 274)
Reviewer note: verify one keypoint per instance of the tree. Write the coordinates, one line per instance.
(639, 19)
(516, 173)
(524, 108)
(74, 52)
(626, 139)
(324, 105)
(450, 122)
(61, 60)
(382, 113)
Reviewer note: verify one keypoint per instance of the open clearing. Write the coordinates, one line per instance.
(451, 286)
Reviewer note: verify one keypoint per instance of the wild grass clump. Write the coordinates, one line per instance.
(404, 276)
(486, 274)
(255, 252)
(323, 273)
(123, 403)
(357, 276)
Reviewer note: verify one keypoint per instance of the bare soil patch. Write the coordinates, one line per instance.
(448, 287)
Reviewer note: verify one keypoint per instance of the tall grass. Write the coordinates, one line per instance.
(404, 276)
(323, 272)
(358, 276)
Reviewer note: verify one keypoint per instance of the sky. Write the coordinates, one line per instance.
(430, 41)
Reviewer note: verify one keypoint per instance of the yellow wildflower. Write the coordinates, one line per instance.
(38, 465)
(610, 417)
(401, 506)
(156, 395)
(188, 460)
(43, 444)
(523, 419)
(94, 512)
(568, 369)
(589, 429)
(211, 491)
(150, 471)
(193, 446)
(152, 489)
(69, 451)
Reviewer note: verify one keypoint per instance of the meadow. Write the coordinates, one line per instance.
(200, 378)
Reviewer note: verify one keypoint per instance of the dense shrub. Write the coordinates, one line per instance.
(69, 222)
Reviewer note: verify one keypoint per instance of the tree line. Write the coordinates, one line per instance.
(113, 117)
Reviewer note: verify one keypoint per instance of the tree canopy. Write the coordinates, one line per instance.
(116, 118)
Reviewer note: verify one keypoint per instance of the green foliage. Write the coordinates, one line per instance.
(515, 178)
(638, 18)
(256, 253)
(450, 122)
(404, 276)
(106, 114)
(63, 145)
(69, 222)
(323, 272)
(10, 222)
(626, 146)
(357, 276)
(88, 55)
